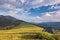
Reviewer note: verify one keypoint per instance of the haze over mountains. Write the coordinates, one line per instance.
(55, 25)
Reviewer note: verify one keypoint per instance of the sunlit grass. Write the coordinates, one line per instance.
(58, 34)
(33, 32)
(16, 33)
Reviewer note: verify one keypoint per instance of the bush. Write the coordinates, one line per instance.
(45, 35)
(41, 35)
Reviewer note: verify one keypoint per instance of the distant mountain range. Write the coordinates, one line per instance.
(55, 25)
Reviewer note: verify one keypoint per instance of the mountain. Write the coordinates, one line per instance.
(55, 25)
(8, 22)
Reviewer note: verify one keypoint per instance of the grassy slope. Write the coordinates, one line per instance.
(58, 34)
(15, 34)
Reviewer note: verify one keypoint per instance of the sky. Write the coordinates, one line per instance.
(32, 10)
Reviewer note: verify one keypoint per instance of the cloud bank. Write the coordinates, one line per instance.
(47, 17)
(20, 10)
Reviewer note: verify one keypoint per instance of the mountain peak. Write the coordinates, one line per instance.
(8, 17)
(8, 22)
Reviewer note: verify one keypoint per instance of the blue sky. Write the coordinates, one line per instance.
(32, 10)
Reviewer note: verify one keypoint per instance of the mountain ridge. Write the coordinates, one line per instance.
(7, 22)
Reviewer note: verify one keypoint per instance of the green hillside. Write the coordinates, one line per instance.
(17, 32)
(13, 29)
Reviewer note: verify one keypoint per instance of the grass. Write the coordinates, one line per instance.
(58, 34)
(25, 31)
(17, 32)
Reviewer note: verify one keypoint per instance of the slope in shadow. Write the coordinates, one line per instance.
(8, 22)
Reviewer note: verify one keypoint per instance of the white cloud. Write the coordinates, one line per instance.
(47, 14)
(57, 13)
(30, 3)
(20, 5)
(35, 2)
(47, 17)
(23, 16)
(38, 3)
(12, 0)
(55, 7)
(2, 13)
(15, 11)
(23, 1)
(6, 6)
(51, 2)
(13, 5)
(38, 19)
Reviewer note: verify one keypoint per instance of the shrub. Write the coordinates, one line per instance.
(41, 35)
